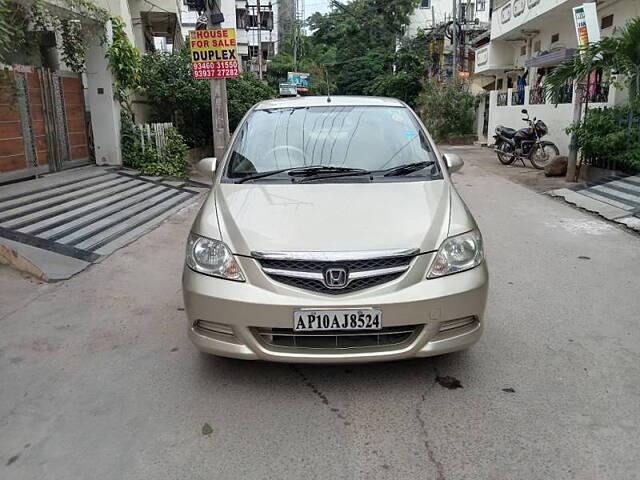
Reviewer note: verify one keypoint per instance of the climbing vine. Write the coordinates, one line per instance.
(124, 62)
(74, 49)
(20, 25)
(100, 14)
(14, 35)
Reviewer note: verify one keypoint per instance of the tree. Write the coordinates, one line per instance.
(402, 85)
(313, 57)
(410, 63)
(354, 47)
(174, 95)
(358, 41)
(243, 92)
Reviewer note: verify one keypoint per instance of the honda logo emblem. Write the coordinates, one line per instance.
(336, 277)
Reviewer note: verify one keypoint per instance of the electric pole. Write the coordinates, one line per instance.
(219, 111)
(454, 39)
(295, 33)
(259, 18)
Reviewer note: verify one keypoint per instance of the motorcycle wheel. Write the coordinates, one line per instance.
(506, 158)
(542, 154)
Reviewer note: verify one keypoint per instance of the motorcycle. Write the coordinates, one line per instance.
(512, 145)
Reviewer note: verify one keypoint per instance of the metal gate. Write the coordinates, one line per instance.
(43, 123)
(485, 119)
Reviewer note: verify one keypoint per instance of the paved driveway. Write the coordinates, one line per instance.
(99, 381)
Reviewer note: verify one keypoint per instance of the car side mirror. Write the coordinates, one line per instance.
(454, 162)
(207, 166)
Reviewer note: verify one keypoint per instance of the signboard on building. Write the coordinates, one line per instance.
(518, 7)
(587, 28)
(288, 89)
(213, 53)
(300, 80)
(482, 56)
(505, 13)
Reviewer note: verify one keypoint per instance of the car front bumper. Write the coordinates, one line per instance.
(242, 308)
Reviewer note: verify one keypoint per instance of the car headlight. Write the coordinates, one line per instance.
(212, 257)
(457, 254)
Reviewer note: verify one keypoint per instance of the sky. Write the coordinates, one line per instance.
(312, 6)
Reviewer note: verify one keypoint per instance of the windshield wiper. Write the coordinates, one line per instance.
(390, 172)
(322, 169)
(407, 168)
(303, 172)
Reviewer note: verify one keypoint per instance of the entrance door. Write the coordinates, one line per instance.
(43, 123)
(66, 119)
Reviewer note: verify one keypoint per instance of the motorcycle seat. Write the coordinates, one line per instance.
(506, 131)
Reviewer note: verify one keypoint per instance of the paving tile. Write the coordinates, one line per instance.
(85, 214)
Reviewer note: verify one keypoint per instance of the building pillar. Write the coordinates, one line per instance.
(617, 96)
(104, 109)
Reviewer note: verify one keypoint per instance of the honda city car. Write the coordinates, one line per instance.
(333, 234)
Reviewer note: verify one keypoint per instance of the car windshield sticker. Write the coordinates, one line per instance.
(410, 133)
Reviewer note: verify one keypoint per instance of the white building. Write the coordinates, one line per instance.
(243, 16)
(528, 38)
(434, 12)
(58, 118)
(146, 23)
(435, 18)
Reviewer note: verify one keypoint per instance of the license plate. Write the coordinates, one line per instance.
(327, 320)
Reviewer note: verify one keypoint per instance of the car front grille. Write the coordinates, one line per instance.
(286, 338)
(362, 273)
(318, 285)
(354, 265)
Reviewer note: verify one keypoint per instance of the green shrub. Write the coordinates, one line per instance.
(171, 161)
(604, 136)
(447, 109)
(630, 160)
(129, 141)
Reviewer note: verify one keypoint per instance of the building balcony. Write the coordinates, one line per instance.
(250, 36)
(160, 19)
(494, 58)
(511, 17)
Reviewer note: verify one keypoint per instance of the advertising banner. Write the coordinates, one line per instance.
(213, 53)
(585, 17)
(288, 89)
(301, 80)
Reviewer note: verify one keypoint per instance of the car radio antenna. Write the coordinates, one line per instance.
(326, 76)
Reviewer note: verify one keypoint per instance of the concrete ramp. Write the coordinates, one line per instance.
(63, 222)
(616, 198)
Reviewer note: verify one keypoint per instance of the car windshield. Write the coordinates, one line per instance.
(371, 138)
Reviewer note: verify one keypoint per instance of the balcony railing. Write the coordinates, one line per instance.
(566, 95)
(517, 97)
(537, 96)
(597, 92)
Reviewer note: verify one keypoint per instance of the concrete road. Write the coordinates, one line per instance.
(98, 379)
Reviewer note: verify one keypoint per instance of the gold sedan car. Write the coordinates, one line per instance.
(333, 234)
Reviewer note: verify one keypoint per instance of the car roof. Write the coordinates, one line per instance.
(323, 101)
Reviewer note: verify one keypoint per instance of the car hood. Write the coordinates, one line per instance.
(329, 217)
